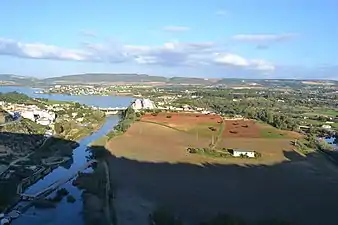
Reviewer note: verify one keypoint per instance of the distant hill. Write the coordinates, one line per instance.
(191, 80)
(10, 79)
(271, 83)
(107, 78)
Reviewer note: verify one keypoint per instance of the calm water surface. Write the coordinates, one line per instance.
(67, 213)
(98, 101)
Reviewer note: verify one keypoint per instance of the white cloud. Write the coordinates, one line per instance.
(169, 54)
(176, 28)
(41, 51)
(264, 37)
(236, 60)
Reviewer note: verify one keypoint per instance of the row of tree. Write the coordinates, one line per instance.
(262, 109)
(15, 97)
(128, 118)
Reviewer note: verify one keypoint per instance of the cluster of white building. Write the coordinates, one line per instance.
(31, 112)
(144, 103)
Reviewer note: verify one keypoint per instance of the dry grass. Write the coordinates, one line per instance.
(193, 123)
(156, 143)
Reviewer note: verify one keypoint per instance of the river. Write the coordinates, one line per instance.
(67, 213)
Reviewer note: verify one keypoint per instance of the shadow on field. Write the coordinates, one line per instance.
(299, 190)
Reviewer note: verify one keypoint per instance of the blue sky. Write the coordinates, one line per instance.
(242, 38)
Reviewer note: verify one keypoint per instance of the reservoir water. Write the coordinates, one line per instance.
(98, 101)
(67, 213)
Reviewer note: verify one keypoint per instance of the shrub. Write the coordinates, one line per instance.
(212, 128)
(70, 199)
(168, 116)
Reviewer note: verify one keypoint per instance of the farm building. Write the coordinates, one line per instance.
(241, 152)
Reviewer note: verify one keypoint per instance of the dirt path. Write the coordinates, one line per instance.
(219, 135)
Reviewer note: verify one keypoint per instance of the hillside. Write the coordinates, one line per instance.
(273, 83)
(109, 78)
(10, 79)
(190, 80)
(105, 78)
(5, 117)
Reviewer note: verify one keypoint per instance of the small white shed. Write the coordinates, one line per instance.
(241, 152)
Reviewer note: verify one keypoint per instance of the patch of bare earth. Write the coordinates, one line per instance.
(241, 128)
(182, 121)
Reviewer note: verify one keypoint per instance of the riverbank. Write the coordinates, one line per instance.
(64, 210)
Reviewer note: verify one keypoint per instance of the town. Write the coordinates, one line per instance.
(90, 90)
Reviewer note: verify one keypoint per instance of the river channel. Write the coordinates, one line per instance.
(67, 213)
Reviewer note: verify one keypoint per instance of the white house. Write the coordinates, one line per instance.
(148, 104)
(28, 115)
(240, 153)
(326, 126)
(137, 104)
(143, 104)
(43, 121)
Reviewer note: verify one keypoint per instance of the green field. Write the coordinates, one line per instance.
(53, 102)
(322, 112)
(272, 133)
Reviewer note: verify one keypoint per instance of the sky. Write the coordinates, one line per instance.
(210, 39)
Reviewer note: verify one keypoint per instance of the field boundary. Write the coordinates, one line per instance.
(161, 124)
(219, 135)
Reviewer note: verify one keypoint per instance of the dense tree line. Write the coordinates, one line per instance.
(262, 109)
(14, 97)
(128, 117)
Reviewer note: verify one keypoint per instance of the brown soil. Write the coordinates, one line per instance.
(183, 120)
(241, 128)
(253, 129)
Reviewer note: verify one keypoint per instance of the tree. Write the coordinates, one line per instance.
(77, 105)
(58, 128)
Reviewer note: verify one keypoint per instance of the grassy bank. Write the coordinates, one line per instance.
(100, 142)
(128, 117)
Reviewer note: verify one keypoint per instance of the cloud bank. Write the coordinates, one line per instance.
(264, 37)
(171, 54)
